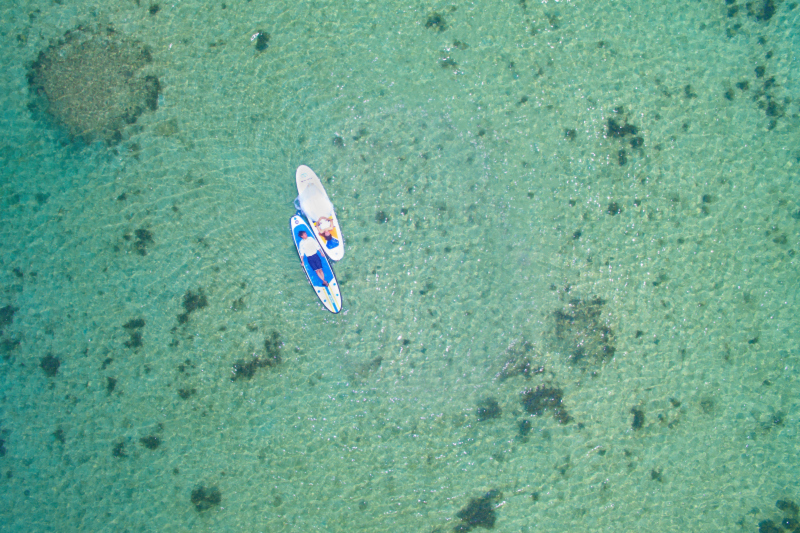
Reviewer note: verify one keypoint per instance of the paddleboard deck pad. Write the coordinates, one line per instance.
(313, 201)
(315, 263)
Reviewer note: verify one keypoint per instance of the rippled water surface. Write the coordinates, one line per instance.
(570, 282)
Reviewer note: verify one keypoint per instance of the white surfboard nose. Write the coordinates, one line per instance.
(304, 173)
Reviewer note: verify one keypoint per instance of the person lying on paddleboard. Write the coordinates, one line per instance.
(327, 232)
(311, 250)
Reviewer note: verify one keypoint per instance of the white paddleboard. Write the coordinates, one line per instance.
(318, 209)
(318, 269)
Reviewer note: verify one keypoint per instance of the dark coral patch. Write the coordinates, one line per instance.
(272, 357)
(615, 129)
(768, 526)
(479, 512)
(435, 21)
(543, 398)
(488, 408)
(582, 333)
(7, 315)
(136, 340)
(205, 498)
(119, 450)
(761, 9)
(134, 323)
(788, 507)
(192, 301)
(134, 326)
(187, 393)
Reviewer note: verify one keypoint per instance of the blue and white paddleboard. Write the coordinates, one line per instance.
(313, 201)
(318, 269)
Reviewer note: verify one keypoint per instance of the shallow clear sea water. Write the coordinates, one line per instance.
(499, 238)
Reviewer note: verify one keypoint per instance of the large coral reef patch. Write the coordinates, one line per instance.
(93, 82)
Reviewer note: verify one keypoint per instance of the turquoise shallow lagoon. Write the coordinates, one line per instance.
(570, 285)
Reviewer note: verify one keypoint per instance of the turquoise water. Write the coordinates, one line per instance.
(506, 229)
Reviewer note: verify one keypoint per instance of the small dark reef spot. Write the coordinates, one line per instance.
(488, 408)
(50, 364)
(185, 394)
(151, 442)
(448, 62)
(119, 450)
(655, 474)
(262, 41)
(638, 418)
(143, 238)
(7, 315)
(435, 20)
